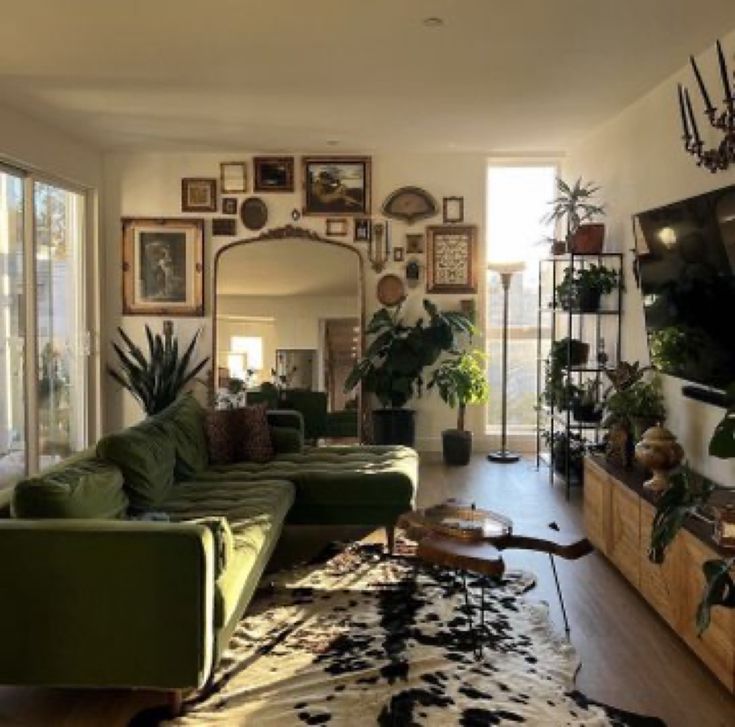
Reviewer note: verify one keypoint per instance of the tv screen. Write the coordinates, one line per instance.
(687, 275)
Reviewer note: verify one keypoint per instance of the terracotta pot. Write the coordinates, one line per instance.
(660, 453)
(588, 239)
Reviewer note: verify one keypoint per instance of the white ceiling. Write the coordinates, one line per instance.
(291, 74)
(287, 268)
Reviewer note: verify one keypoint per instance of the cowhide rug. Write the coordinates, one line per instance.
(365, 639)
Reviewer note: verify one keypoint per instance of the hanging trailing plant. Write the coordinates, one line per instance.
(157, 379)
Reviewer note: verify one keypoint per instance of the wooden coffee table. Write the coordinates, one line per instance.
(471, 540)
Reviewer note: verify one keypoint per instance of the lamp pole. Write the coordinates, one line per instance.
(503, 456)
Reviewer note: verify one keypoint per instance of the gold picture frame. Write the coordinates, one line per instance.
(198, 194)
(451, 259)
(163, 266)
(336, 186)
(233, 177)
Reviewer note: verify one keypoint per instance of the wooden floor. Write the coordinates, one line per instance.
(630, 658)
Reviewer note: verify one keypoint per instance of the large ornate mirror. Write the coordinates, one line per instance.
(288, 323)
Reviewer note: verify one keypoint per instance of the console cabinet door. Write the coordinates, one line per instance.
(660, 584)
(716, 646)
(625, 531)
(596, 506)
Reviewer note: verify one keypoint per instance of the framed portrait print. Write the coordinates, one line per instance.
(451, 265)
(273, 174)
(163, 267)
(452, 210)
(415, 243)
(233, 177)
(229, 205)
(198, 195)
(336, 227)
(336, 186)
(363, 229)
(398, 254)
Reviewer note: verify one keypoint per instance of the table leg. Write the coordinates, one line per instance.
(567, 630)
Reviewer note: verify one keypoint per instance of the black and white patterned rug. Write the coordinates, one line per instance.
(365, 639)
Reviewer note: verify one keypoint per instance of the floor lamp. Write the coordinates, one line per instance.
(505, 270)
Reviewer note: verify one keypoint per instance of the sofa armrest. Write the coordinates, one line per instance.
(286, 418)
(106, 603)
(287, 440)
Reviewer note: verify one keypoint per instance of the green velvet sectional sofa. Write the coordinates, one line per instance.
(129, 565)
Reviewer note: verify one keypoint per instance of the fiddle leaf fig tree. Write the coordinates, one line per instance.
(394, 363)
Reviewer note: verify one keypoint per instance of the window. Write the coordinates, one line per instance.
(250, 348)
(517, 200)
(43, 412)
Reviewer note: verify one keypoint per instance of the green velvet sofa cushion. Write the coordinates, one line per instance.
(84, 489)
(224, 544)
(183, 422)
(147, 456)
(286, 440)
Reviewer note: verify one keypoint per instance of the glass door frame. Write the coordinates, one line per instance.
(90, 310)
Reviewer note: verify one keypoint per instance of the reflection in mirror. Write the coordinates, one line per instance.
(288, 331)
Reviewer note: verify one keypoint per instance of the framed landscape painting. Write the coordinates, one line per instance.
(335, 186)
(273, 174)
(163, 266)
(451, 265)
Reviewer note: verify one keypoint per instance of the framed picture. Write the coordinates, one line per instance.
(233, 177)
(363, 229)
(273, 174)
(336, 227)
(229, 205)
(398, 254)
(336, 186)
(451, 265)
(198, 195)
(163, 267)
(224, 226)
(452, 210)
(414, 243)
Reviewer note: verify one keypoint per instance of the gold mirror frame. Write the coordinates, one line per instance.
(292, 232)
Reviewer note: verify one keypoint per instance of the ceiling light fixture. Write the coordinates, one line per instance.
(433, 22)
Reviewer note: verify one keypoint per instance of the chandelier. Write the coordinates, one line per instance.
(723, 120)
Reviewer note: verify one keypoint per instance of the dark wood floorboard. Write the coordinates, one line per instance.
(630, 658)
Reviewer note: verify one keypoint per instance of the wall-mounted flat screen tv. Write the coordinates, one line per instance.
(687, 275)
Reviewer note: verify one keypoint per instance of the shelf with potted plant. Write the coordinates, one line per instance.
(580, 296)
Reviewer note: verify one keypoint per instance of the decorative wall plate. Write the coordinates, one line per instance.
(254, 213)
(410, 204)
(390, 290)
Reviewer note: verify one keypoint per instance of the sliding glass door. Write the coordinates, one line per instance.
(43, 407)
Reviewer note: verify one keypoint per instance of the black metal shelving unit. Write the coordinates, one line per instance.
(601, 329)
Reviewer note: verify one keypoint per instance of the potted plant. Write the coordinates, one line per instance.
(567, 452)
(586, 406)
(631, 405)
(461, 380)
(393, 365)
(581, 289)
(156, 380)
(567, 352)
(574, 205)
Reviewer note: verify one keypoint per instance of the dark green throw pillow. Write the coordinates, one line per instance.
(183, 422)
(146, 454)
(86, 489)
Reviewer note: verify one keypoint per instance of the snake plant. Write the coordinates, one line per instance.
(155, 379)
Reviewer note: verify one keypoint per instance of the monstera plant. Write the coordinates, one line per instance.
(155, 379)
(396, 360)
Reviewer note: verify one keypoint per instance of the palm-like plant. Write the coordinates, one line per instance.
(462, 380)
(156, 380)
(574, 204)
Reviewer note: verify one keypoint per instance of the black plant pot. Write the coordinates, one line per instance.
(394, 426)
(456, 447)
(589, 300)
(587, 413)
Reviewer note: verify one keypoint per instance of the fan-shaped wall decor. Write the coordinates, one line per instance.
(410, 204)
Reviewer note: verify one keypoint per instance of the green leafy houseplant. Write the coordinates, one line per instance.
(633, 403)
(574, 206)
(566, 450)
(157, 379)
(586, 406)
(559, 392)
(581, 288)
(461, 381)
(394, 363)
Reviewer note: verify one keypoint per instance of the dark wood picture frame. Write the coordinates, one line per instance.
(205, 186)
(273, 174)
(224, 226)
(443, 245)
(399, 254)
(452, 210)
(334, 197)
(363, 229)
(229, 205)
(146, 242)
(237, 169)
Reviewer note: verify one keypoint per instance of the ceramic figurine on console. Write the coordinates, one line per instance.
(659, 452)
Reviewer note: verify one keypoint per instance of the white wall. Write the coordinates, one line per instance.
(149, 184)
(638, 159)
